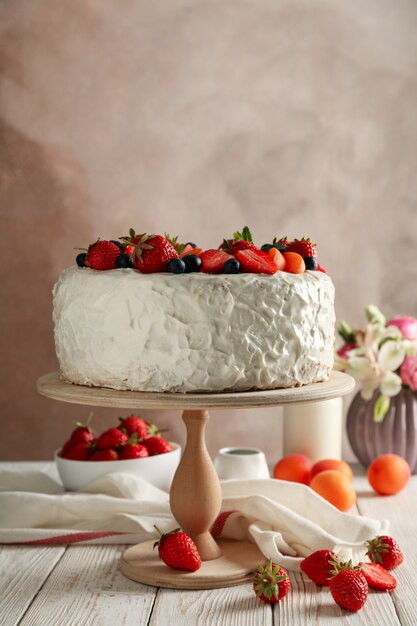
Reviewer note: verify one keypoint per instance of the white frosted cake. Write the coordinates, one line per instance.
(194, 332)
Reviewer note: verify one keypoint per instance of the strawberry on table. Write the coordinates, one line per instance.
(303, 246)
(212, 261)
(377, 576)
(385, 551)
(348, 586)
(152, 253)
(255, 262)
(157, 445)
(271, 582)
(111, 438)
(178, 550)
(318, 566)
(102, 255)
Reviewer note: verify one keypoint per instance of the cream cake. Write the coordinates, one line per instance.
(194, 332)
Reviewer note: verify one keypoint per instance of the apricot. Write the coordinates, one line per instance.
(294, 467)
(335, 487)
(388, 474)
(331, 464)
(277, 258)
(294, 262)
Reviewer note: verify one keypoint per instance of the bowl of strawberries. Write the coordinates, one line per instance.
(135, 447)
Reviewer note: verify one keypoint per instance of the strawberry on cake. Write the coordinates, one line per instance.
(149, 314)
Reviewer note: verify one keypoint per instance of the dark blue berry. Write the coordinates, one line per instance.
(192, 263)
(81, 259)
(266, 247)
(231, 266)
(118, 244)
(123, 260)
(311, 263)
(280, 246)
(190, 243)
(176, 266)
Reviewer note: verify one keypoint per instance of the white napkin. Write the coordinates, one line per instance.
(287, 521)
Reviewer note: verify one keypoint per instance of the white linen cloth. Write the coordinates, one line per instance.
(287, 521)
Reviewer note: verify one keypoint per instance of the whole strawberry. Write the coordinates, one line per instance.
(102, 255)
(152, 253)
(104, 455)
(83, 432)
(80, 452)
(348, 586)
(303, 246)
(133, 451)
(385, 551)
(157, 445)
(111, 439)
(135, 424)
(178, 550)
(318, 565)
(240, 241)
(271, 582)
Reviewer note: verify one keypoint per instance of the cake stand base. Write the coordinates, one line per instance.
(235, 566)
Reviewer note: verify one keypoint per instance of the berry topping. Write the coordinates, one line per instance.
(294, 263)
(310, 263)
(192, 263)
(152, 253)
(178, 550)
(277, 258)
(231, 266)
(212, 261)
(80, 259)
(271, 582)
(118, 244)
(385, 551)
(123, 261)
(111, 438)
(102, 255)
(240, 241)
(105, 455)
(303, 246)
(176, 266)
(377, 576)
(255, 262)
(266, 247)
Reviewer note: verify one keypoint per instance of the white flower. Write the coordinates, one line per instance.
(391, 355)
(391, 384)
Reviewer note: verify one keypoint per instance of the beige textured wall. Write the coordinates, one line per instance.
(195, 117)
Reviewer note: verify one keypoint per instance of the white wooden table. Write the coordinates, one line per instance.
(79, 585)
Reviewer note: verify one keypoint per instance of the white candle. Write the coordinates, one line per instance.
(314, 429)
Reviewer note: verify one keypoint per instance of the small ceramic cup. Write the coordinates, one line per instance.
(241, 464)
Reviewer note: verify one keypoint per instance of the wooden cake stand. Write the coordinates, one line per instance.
(195, 496)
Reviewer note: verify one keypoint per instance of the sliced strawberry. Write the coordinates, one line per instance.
(242, 245)
(255, 262)
(187, 249)
(377, 576)
(212, 261)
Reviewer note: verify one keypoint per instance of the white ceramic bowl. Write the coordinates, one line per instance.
(159, 470)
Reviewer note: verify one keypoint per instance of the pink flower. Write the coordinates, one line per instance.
(408, 372)
(345, 348)
(406, 325)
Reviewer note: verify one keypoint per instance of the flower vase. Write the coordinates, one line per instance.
(395, 434)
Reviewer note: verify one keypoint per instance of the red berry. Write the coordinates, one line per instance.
(240, 241)
(83, 432)
(135, 424)
(157, 445)
(303, 246)
(212, 261)
(104, 455)
(178, 550)
(377, 576)
(133, 451)
(80, 452)
(385, 551)
(318, 566)
(348, 586)
(111, 438)
(271, 582)
(66, 448)
(255, 262)
(152, 253)
(102, 255)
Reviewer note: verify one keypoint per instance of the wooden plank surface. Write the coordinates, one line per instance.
(23, 571)
(51, 386)
(86, 587)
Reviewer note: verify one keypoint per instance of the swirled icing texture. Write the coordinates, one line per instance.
(193, 332)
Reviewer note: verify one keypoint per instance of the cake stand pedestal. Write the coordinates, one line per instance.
(195, 496)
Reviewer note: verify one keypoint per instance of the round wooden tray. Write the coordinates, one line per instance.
(52, 386)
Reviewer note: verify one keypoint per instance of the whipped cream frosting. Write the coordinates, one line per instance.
(193, 332)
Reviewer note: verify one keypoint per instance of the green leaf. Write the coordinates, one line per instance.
(381, 408)
(346, 332)
(374, 315)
